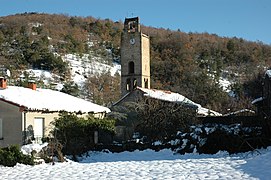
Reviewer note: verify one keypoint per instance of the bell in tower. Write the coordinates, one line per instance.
(135, 57)
(132, 25)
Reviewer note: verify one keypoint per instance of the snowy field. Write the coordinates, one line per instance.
(150, 165)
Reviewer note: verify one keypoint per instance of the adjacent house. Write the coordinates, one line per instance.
(26, 113)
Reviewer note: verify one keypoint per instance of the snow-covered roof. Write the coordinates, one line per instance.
(48, 100)
(268, 72)
(239, 112)
(177, 98)
(167, 96)
(255, 101)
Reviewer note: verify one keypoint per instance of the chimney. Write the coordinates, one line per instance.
(3, 83)
(32, 85)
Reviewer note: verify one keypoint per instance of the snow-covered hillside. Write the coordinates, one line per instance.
(82, 67)
(225, 84)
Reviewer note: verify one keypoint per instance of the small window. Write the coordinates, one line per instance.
(131, 67)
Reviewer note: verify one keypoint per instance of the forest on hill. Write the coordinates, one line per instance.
(191, 64)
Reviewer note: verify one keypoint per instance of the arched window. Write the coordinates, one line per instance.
(131, 68)
(132, 26)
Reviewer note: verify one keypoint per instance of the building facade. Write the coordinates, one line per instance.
(135, 57)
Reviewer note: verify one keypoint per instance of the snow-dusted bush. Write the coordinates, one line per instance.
(12, 155)
(211, 138)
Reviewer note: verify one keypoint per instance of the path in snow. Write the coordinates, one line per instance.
(148, 165)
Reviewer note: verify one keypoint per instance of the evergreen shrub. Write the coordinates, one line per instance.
(76, 134)
(12, 155)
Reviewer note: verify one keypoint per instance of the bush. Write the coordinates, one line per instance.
(76, 134)
(12, 155)
(214, 137)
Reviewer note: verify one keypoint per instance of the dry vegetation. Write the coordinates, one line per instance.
(187, 63)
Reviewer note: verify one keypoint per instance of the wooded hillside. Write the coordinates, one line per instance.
(188, 63)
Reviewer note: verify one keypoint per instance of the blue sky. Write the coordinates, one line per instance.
(247, 19)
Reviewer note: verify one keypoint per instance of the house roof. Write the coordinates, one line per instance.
(268, 72)
(247, 111)
(258, 100)
(48, 100)
(177, 98)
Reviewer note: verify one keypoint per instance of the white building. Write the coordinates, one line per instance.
(31, 110)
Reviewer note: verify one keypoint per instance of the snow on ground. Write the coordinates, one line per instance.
(44, 75)
(81, 67)
(27, 149)
(225, 84)
(39, 73)
(150, 165)
(47, 77)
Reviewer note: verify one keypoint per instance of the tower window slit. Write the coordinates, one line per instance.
(131, 67)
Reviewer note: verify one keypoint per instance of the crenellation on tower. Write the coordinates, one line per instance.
(135, 57)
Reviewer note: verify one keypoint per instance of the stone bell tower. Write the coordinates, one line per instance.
(135, 57)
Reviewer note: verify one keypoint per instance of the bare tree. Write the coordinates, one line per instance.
(161, 120)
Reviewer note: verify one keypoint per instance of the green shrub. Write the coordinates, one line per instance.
(76, 134)
(12, 155)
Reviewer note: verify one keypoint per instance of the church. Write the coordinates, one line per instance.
(135, 70)
(136, 81)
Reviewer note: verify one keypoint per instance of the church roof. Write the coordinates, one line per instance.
(167, 96)
(172, 97)
(176, 98)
